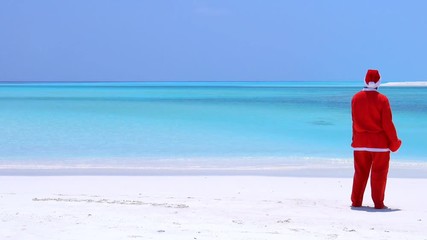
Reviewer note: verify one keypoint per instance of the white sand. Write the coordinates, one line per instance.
(405, 84)
(211, 207)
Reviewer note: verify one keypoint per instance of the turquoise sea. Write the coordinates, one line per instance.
(201, 124)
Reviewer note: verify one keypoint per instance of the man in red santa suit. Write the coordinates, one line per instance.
(374, 136)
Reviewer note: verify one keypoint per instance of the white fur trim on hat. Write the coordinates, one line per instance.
(373, 84)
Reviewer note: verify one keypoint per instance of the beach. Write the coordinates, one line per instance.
(205, 207)
(212, 120)
(196, 160)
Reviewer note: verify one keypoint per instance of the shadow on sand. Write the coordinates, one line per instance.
(371, 209)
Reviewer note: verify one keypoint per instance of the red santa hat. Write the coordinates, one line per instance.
(372, 78)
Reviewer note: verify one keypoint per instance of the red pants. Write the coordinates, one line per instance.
(376, 163)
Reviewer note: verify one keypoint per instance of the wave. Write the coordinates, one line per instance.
(306, 168)
(405, 84)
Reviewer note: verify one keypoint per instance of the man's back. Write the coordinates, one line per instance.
(367, 107)
(372, 121)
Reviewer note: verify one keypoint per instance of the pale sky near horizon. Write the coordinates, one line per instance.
(195, 40)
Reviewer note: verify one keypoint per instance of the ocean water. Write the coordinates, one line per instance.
(203, 124)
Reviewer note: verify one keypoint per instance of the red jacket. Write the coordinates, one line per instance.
(373, 128)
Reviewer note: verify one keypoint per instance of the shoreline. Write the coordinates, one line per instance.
(340, 169)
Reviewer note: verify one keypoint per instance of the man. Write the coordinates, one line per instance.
(374, 136)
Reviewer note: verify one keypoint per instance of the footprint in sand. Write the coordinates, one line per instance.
(238, 222)
(348, 230)
(284, 221)
(332, 236)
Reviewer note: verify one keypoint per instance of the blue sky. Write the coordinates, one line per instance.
(164, 40)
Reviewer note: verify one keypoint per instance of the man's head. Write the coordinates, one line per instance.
(372, 78)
